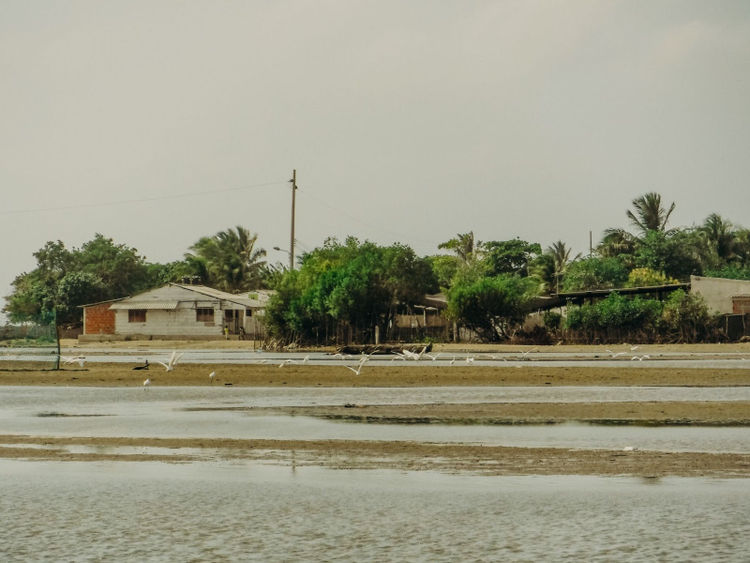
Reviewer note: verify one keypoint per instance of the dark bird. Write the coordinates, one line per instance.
(138, 368)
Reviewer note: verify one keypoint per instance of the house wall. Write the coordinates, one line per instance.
(166, 323)
(99, 319)
(718, 292)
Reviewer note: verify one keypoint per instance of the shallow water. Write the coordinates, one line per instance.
(249, 512)
(729, 360)
(166, 413)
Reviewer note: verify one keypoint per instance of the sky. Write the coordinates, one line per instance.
(158, 122)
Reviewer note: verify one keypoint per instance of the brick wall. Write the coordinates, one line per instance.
(99, 319)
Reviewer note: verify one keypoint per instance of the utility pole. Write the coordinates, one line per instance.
(291, 244)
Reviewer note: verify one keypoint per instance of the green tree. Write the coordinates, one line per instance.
(645, 277)
(491, 306)
(687, 318)
(120, 268)
(509, 256)
(228, 260)
(551, 267)
(52, 293)
(595, 273)
(669, 253)
(348, 290)
(466, 248)
(648, 215)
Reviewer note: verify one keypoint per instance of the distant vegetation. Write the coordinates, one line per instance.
(344, 291)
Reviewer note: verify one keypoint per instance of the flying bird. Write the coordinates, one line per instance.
(639, 358)
(359, 366)
(525, 354)
(80, 360)
(172, 361)
(615, 355)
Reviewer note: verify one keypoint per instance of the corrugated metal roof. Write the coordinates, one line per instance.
(147, 305)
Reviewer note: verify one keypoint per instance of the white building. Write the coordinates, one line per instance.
(187, 311)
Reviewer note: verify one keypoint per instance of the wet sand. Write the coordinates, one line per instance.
(411, 455)
(404, 456)
(393, 375)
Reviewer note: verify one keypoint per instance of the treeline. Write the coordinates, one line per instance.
(348, 291)
(101, 270)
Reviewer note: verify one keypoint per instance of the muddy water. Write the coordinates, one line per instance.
(166, 413)
(245, 512)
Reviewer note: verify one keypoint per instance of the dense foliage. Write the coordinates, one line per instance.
(491, 306)
(343, 292)
(683, 317)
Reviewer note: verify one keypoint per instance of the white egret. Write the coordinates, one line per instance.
(359, 367)
(172, 361)
(80, 360)
(525, 354)
(211, 376)
(615, 355)
(146, 383)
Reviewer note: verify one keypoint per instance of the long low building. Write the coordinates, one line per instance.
(176, 311)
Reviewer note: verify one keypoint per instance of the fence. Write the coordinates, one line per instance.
(27, 347)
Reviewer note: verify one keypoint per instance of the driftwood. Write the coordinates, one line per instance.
(369, 349)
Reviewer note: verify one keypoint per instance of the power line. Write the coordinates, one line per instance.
(358, 220)
(160, 198)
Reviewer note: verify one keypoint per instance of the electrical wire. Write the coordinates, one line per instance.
(160, 198)
(358, 220)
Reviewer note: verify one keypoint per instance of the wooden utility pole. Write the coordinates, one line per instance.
(291, 244)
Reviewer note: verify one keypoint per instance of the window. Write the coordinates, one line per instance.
(204, 315)
(249, 312)
(136, 315)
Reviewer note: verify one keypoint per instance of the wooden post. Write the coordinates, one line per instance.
(291, 244)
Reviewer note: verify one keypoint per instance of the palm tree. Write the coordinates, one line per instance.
(230, 259)
(552, 265)
(467, 249)
(649, 215)
(720, 236)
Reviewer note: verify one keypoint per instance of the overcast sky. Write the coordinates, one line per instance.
(407, 121)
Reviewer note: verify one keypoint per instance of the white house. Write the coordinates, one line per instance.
(187, 311)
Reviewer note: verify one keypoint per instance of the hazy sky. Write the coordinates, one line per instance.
(407, 121)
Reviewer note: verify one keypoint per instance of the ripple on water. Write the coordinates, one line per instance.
(245, 512)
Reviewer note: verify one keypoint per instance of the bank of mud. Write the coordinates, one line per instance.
(392, 375)
(405, 456)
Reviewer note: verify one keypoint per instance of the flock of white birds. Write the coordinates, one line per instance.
(404, 355)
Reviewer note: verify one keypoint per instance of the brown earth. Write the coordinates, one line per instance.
(405, 456)
(393, 375)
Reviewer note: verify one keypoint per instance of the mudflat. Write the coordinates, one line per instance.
(392, 375)
(344, 454)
